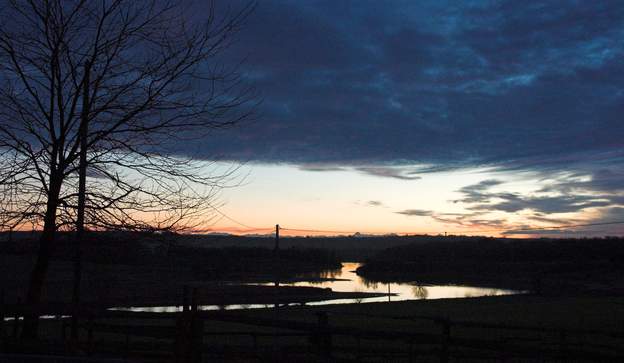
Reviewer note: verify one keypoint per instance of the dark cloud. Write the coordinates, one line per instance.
(561, 196)
(613, 214)
(389, 172)
(488, 203)
(510, 84)
(374, 203)
(395, 172)
(549, 220)
(321, 167)
(478, 193)
(602, 180)
(471, 220)
(542, 232)
(416, 213)
(559, 204)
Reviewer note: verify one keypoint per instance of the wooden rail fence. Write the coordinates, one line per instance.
(187, 335)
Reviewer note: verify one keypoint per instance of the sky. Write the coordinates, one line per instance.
(475, 117)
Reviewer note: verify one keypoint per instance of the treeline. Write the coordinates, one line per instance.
(347, 248)
(100, 247)
(139, 247)
(260, 262)
(201, 260)
(514, 263)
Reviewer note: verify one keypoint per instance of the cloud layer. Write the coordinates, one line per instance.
(400, 89)
(566, 201)
(450, 84)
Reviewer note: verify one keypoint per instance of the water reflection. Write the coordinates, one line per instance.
(317, 279)
(346, 280)
(420, 292)
(330, 274)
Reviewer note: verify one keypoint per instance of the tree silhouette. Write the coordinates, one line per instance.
(95, 96)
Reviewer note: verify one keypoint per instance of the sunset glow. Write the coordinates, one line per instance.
(349, 201)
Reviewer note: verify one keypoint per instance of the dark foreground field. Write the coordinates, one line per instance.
(512, 328)
(574, 311)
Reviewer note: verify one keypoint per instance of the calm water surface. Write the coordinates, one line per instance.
(403, 290)
(346, 280)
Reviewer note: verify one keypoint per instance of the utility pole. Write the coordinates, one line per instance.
(277, 228)
(276, 257)
(276, 275)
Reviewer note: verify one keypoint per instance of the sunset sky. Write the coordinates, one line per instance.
(477, 117)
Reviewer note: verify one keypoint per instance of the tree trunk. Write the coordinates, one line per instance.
(37, 277)
(80, 217)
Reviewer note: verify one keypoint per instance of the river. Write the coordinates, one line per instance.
(346, 280)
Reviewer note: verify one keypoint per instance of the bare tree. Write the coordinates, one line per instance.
(94, 97)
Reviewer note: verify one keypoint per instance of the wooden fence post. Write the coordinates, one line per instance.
(59, 320)
(63, 330)
(16, 321)
(446, 340)
(197, 329)
(254, 336)
(323, 338)
(90, 335)
(74, 324)
(194, 298)
(563, 346)
(2, 314)
(127, 355)
(183, 344)
(185, 299)
(178, 339)
(180, 345)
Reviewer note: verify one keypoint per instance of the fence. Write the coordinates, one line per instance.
(317, 338)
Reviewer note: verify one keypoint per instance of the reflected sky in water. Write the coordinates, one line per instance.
(346, 280)
(349, 281)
